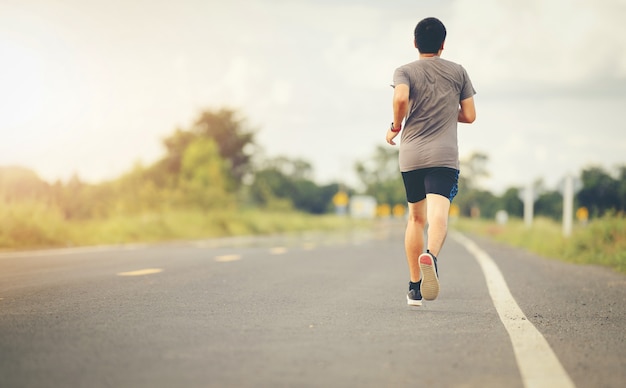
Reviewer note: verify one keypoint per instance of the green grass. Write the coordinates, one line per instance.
(602, 241)
(34, 225)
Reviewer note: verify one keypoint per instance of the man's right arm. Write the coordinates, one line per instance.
(400, 103)
(400, 109)
(467, 112)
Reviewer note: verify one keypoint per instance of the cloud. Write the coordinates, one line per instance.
(553, 43)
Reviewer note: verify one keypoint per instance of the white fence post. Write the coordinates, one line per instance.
(529, 200)
(568, 205)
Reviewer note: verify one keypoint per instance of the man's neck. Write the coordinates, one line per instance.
(430, 55)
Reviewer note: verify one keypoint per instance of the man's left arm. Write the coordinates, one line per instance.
(467, 111)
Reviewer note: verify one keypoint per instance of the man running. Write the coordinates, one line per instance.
(431, 95)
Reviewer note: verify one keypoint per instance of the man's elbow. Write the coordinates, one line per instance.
(467, 118)
(467, 113)
(401, 101)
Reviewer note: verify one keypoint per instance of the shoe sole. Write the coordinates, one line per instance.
(430, 283)
(412, 302)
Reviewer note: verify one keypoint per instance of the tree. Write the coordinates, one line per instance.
(204, 180)
(234, 140)
(621, 191)
(381, 177)
(473, 169)
(311, 198)
(233, 137)
(138, 191)
(600, 191)
(286, 183)
(18, 183)
(478, 202)
(76, 199)
(168, 168)
(470, 199)
(549, 204)
(511, 202)
(271, 188)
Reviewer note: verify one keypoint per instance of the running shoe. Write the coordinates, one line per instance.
(414, 297)
(430, 279)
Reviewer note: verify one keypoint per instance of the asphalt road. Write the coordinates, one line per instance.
(308, 311)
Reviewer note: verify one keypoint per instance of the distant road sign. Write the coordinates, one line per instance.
(383, 210)
(399, 211)
(341, 199)
(454, 210)
(363, 206)
(582, 214)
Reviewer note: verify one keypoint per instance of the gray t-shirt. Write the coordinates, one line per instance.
(429, 137)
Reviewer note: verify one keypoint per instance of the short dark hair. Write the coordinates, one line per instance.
(429, 35)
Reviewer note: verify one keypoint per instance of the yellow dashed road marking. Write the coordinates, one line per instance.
(278, 250)
(141, 272)
(227, 258)
(308, 246)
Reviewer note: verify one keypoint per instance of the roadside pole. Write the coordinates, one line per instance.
(529, 200)
(568, 205)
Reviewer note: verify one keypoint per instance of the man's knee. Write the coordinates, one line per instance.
(438, 221)
(417, 214)
(417, 220)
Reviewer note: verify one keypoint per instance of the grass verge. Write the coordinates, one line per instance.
(602, 241)
(34, 226)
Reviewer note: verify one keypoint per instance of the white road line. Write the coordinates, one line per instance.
(536, 361)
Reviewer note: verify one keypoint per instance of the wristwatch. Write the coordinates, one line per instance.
(393, 129)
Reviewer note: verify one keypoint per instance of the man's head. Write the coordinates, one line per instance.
(430, 34)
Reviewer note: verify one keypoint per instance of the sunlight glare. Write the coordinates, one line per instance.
(21, 86)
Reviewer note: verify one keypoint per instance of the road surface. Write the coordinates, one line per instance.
(316, 310)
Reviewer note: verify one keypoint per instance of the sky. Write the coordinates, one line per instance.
(92, 87)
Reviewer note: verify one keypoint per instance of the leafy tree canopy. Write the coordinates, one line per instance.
(234, 139)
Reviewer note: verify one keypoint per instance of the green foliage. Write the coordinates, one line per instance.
(601, 192)
(510, 202)
(381, 178)
(473, 170)
(203, 179)
(284, 183)
(18, 183)
(233, 138)
(32, 224)
(200, 169)
(167, 169)
(471, 200)
(549, 204)
(477, 202)
(314, 199)
(136, 193)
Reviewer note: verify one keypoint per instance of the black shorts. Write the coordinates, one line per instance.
(433, 180)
